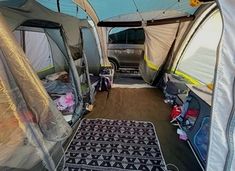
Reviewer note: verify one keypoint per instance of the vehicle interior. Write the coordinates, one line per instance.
(121, 86)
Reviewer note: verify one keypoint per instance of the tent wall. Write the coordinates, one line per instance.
(199, 57)
(18, 35)
(44, 48)
(102, 32)
(34, 13)
(13, 131)
(188, 31)
(62, 61)
(37, 48)
(181, 32)
(91, 50)
(158, 42)
(37, 122)
(59, 53)
(32, 10)
(221, 155)
(161, 48)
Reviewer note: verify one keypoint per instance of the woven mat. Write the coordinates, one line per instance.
(114, 145)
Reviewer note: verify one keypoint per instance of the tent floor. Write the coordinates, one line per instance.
(146, 105)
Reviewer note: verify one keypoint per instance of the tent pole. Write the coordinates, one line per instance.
(76, 75)
(149, 22)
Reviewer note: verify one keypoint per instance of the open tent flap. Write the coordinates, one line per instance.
(158, 42)
(30, 122)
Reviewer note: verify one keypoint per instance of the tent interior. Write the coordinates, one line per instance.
(50, 62)
(63, 106)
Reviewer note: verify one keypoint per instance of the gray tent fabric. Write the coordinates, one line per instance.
(47, 128)
(199, 57)
(37, 45)
(158, 41)
(101, 32)
(221, 155)
(33, 10)
(39, 128)
(59, 53)
(36, 122)
(91, 50)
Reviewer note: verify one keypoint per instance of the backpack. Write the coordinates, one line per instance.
(104, 84)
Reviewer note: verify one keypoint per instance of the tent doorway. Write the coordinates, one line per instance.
(48, 55)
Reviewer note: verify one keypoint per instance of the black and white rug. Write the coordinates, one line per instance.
(114, 145)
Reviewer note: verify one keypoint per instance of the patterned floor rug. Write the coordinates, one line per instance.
(114, 145)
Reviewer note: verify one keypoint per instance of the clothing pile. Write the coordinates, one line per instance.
(60, 90)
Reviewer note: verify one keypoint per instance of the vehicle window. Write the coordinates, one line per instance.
(135, 36)
(117, 36)
(126, 36)
(199, 57)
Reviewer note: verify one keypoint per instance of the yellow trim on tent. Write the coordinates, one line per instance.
(45, 69)
(188, 78)
(150, 64)
(106, 66)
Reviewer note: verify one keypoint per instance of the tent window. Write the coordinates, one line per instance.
(199, 57)
(37, 49)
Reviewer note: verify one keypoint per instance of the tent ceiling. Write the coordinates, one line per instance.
(114, 10)
(66, 6)
(104, 12)
(12, 3)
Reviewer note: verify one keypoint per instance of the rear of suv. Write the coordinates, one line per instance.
(126, 47)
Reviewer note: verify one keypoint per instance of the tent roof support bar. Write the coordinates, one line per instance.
(41, 23)
(148, 23)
